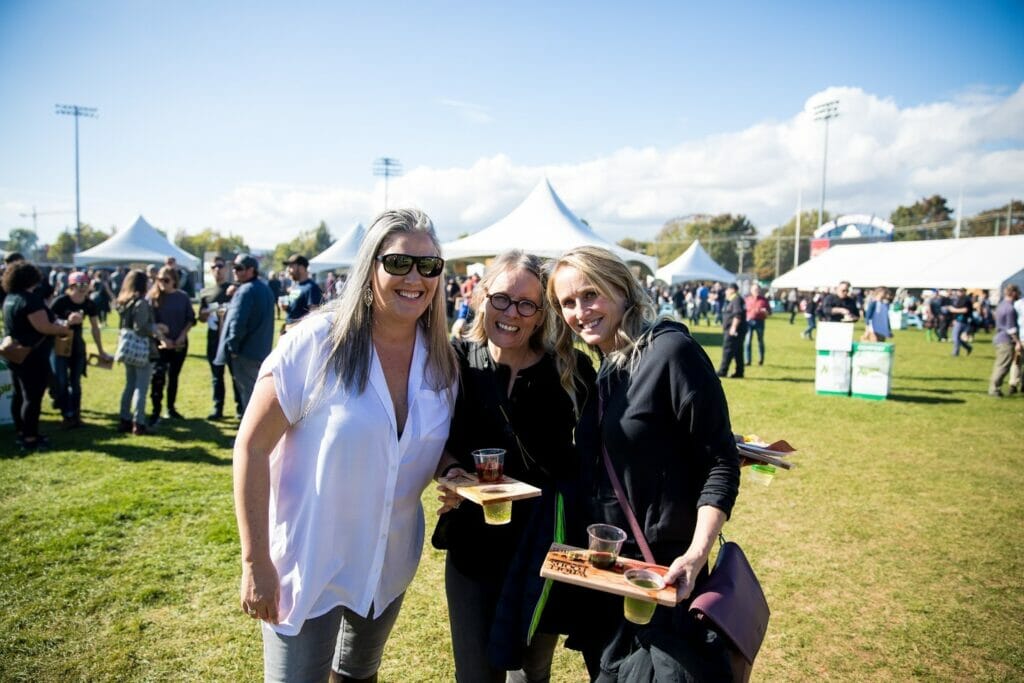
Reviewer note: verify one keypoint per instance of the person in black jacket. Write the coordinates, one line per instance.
(661, 422)
(734, 327)
(517, 395)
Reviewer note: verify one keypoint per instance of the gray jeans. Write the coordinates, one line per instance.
(1001, 366)
(136, 382)
(244, 372)
(341, 639)
(471, 605)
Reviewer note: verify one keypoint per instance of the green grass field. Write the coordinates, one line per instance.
(895, 551)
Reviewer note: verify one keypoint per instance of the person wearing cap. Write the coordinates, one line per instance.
(248, 327)
(213, 306)
(68, 370)
(304, 293)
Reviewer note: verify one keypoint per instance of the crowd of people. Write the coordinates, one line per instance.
(379, 387)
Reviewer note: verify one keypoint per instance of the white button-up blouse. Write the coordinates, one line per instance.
(346, 523)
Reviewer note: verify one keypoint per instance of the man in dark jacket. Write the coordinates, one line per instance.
(248, 327)
(734, 327)
(213, 307)
(840, 306)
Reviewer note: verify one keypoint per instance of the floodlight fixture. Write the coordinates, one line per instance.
(387, 167)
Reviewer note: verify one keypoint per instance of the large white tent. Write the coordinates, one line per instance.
(973, 262)
(694, 264)
(140, 243)
(542, 225)
(341, 254)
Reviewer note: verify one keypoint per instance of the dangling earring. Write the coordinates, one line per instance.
(368, 296)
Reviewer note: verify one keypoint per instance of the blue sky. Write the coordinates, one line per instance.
(264, 118)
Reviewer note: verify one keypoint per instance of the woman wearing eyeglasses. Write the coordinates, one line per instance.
(517, 395)
(660, 420)
(68, 369)
(342, 435)
(172, 311)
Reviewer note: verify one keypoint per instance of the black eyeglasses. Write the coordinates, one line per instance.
(401, 264)
(237, 267)
(502, 301)
(218, 266)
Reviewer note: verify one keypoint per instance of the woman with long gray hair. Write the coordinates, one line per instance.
(344, 432)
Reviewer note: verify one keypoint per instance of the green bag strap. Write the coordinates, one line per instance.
(559, 538)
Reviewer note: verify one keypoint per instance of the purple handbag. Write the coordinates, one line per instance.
(731, 598)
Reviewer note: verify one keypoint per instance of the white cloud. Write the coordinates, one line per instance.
(879, 156)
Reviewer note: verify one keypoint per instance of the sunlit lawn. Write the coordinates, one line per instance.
(893, 552)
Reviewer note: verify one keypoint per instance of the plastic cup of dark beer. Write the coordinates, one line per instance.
(490, 464)
(605, 543)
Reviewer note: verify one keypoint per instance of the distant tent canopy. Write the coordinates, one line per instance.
(693, 264)
(542, 225)
(341, 254)
(140, 243)
(974, 262)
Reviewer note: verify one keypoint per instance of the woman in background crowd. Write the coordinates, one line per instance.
(172, 309)
(68, 369)
(342, 435)
(29, 321)
(876, 316)
(515, 394)
(661, 422)
(136, 315)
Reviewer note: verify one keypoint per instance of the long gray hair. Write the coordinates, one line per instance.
(351, 335)
(612, 278)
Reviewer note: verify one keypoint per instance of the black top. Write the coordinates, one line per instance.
(541, 415)
(666, 428)
(214, 294)
(63, 306)
(18, 306)
(847, 302)
(734, 308)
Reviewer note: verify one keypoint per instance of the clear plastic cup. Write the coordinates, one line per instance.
(640, 610)
(605, 543)
(498, 513)
(490, 464)
(761, 474)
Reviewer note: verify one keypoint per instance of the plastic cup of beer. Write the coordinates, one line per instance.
(762, 474)
(490, 464)
(498, 513)
(640, 610)
(605, 543)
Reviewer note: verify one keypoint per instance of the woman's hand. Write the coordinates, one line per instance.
(683, 572)
(448, 498)
(260, 591)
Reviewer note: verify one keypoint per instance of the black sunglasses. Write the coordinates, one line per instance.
(237, 267)
(401, 264)
(502, 301)
(217, 265)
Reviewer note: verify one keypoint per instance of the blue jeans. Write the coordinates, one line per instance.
(136, 381)
(958, 329)
(754, 326)
(341, 639)
(67, 372)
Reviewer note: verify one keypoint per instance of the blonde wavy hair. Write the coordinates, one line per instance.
(612, 278)
(542, 338)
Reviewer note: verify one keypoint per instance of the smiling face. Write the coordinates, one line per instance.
(590, 314)
(509, 329)
(403, 298)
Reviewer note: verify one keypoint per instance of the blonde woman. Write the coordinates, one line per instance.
(661, 419)
(343, 433)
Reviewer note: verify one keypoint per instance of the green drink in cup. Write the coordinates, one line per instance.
(640, 610)
(498, 513)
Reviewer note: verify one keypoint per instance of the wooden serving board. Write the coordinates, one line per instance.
(506, 488)
(570, 565)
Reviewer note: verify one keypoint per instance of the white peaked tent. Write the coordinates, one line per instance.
(694, 264)
(140, 243)
(541, 225)
(341, 254)
(972, 262)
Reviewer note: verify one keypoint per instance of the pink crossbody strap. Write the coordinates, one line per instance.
(638, 533)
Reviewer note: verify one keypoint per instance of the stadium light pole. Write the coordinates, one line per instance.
(825, 112)
(387, 167)
(77, 112)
